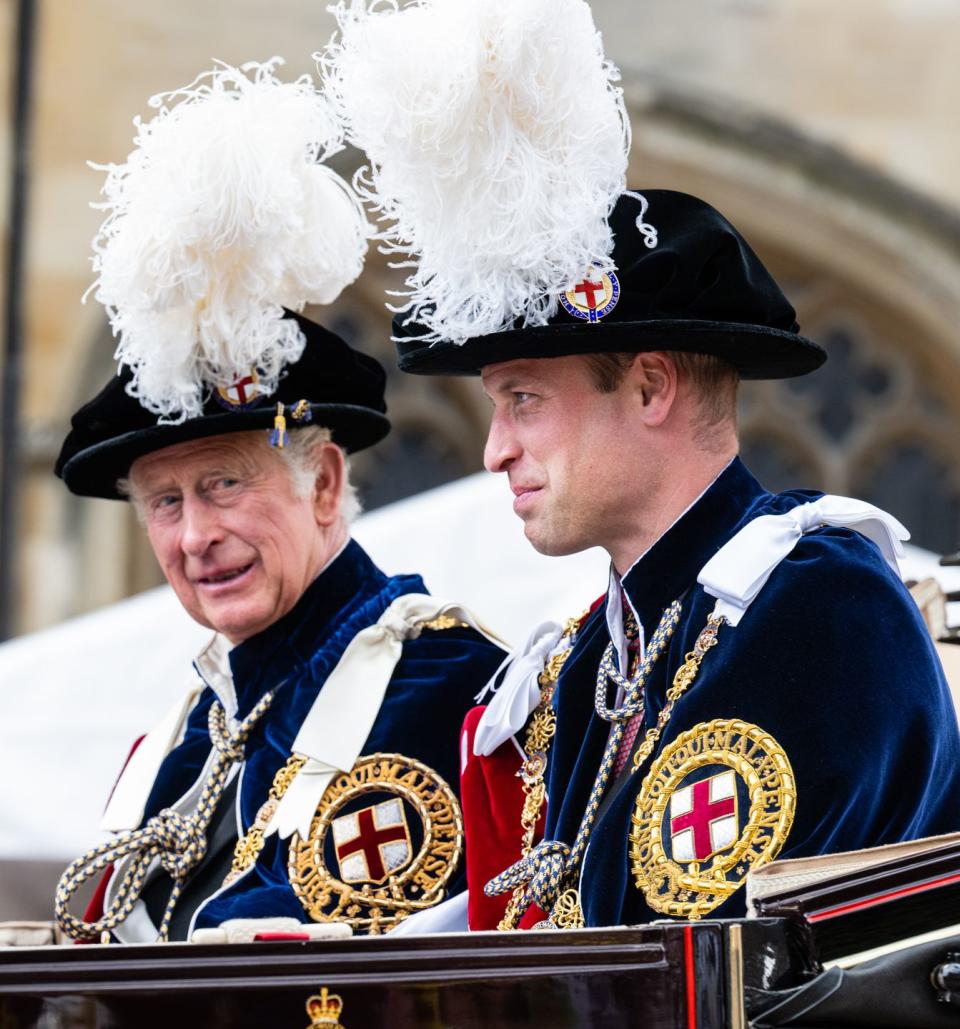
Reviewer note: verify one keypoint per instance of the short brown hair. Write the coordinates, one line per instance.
(713, 378)
(608, 370)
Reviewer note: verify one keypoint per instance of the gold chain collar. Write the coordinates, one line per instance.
(536, 745)
(567, 912)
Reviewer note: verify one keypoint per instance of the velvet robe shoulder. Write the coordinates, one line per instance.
(433, 685)
(832, 660)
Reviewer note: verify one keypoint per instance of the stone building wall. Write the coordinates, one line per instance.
(826, 130)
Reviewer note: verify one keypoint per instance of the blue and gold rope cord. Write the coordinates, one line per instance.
(178, 841)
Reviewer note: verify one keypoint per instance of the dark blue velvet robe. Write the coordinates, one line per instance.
(832, 658)
(432, 687)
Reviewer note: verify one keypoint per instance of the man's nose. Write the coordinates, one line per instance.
(502, 447)
(200, 526)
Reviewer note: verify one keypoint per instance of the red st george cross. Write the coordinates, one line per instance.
(589, 290)
(369, 840)
(703, 812)
(241, 391)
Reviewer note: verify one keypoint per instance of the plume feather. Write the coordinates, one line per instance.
(221, 217)
(498, 144)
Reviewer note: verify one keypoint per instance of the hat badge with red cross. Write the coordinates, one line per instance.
(593, 296)
(241, 395)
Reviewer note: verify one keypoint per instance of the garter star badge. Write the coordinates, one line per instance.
(241, 395)
(384, 842)
(718, 801)
(593, 297)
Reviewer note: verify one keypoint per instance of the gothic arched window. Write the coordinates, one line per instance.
(872, 423)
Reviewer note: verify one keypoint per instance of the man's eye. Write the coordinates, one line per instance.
(226, 483)
(520, 397)
(165, 502)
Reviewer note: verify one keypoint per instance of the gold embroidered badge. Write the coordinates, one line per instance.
(691, 845)
(383, 844)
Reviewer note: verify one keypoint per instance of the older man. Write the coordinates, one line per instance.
(310, 775)
(255, 542)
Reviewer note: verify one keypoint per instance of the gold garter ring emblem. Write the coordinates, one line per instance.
(592, 297)
(717, 802)
(384, 842)
(242, 395)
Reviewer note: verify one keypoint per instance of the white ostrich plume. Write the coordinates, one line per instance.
(498, 146)
(221, 217)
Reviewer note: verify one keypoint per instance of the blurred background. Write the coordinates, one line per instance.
(827, 131)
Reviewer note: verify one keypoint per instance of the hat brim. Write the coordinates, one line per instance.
(756, 351)
(94, 471)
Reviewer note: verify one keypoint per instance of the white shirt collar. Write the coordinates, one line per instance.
(213, 666)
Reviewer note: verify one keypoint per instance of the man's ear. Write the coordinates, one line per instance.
(653, 378)
(328, 485)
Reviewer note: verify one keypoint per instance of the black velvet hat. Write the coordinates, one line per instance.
(342, 387)
(700, 289)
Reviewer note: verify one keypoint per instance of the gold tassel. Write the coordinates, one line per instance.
(278, 437)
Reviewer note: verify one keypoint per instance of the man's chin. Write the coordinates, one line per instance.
(550, 544)
(233, 621)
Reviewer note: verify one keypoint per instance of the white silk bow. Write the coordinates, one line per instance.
(339, 722)
(740, 569)
(519, 693)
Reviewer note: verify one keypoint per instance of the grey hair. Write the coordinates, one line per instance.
(299, 455)
(299, 451)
